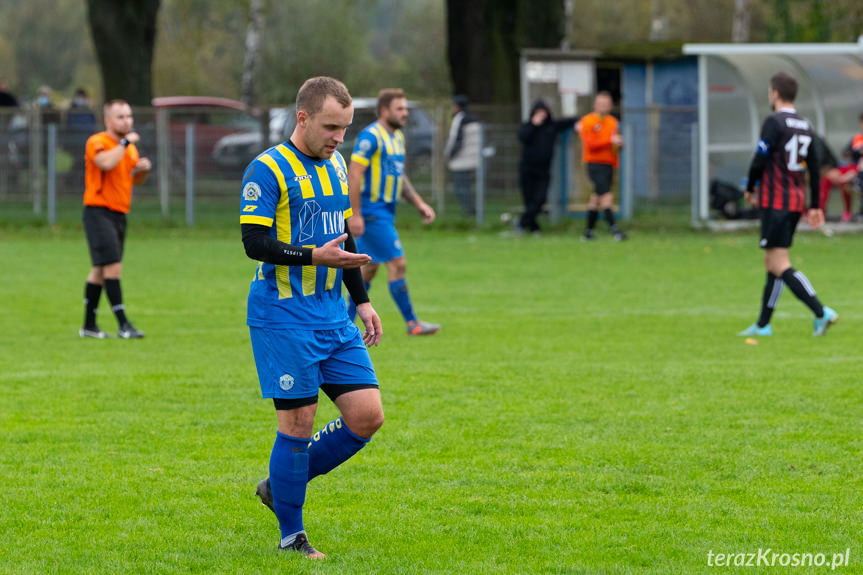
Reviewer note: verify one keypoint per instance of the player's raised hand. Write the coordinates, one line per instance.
(372, 323)
(815, 218)
(332, 255)
(133, 137)
(143, 165)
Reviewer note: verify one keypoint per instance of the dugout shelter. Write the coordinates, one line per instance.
(732, 102)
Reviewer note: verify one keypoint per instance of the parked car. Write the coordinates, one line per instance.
(214, 119)
(237, 150)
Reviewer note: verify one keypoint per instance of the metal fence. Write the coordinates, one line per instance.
(199, 155)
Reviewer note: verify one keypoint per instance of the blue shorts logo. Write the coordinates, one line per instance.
(286, 382)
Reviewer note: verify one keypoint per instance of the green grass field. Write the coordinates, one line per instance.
(587, 408)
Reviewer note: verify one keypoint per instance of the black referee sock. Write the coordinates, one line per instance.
(800, 286)
(609, 216)
(592, 216)
(772, 291)
(115, 296)
(92, 293)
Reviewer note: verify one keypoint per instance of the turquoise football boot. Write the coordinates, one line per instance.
(821, 324)
(755, 330)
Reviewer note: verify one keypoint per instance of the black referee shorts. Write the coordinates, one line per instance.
(106, 233)
(601, 175)
(777, 228)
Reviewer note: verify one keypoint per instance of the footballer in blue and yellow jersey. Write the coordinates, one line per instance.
(383, 153)
(376, 181)
(295, 202)
(304, 201)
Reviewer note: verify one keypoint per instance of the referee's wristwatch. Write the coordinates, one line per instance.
(125, 142)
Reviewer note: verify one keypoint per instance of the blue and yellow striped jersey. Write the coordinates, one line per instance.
(305, 202)
(383, 154)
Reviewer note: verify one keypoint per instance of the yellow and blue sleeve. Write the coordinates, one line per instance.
(260, 195)
(364, 149)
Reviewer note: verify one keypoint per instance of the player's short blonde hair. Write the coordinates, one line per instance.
(315, 90)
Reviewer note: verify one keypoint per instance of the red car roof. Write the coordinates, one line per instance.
(191, 101)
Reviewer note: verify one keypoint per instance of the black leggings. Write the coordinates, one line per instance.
(534, 191)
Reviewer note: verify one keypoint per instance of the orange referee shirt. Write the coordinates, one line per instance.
(110, 189)
(596, 135)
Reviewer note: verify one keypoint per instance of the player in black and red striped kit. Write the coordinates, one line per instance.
(780, 164)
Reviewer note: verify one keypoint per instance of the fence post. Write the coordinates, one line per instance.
(559, 208)
(694, 176)
(163, 157)
(627, 195)
(52, 174)
(480, 177)
(5, 154)
(36, 159)
(190, 174)
(438, 162)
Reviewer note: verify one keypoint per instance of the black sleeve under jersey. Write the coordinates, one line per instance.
(260, 246)
(813, 162)
(771, 133)
(353, 278)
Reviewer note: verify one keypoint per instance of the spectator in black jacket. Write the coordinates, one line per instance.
(538, 136)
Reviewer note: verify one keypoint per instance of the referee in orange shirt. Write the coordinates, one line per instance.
(112, 168)
(601, 140)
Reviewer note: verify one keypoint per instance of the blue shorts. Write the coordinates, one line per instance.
(293, 363)
(380, 240)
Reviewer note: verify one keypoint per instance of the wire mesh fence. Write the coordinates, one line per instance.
(199, 154)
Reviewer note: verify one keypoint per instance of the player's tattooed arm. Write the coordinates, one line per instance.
(410, 194)
(261, 247)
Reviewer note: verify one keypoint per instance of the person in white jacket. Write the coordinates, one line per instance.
(462, 153)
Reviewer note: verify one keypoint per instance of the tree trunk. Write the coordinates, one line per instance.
(124, 34)
(253, 52)
(484, 38)
(742, 17)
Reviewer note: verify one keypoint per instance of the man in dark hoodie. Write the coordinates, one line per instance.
(537, 136)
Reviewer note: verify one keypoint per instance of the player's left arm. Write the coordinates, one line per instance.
(410, 194)
(356, 173)
(815, 214)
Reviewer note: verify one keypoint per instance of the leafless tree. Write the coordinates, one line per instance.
(742, 18)
(253, 51)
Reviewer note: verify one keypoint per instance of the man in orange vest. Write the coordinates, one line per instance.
(601, 141)
(112, 168)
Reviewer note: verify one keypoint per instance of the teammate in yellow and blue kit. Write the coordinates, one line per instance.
(294, 213)
(377, 181)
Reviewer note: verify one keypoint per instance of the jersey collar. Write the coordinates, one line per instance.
(300, 152)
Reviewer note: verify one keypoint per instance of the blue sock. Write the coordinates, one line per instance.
(289, 473)
(352, 309)
(332, 446)
(399, 291)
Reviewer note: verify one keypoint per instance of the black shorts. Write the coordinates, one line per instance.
(106, 232)
(777, 228)
(601, 175)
